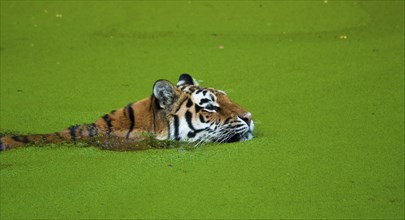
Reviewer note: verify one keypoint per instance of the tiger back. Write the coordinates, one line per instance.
(181, 112)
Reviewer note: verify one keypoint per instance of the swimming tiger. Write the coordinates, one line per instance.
(181, 112)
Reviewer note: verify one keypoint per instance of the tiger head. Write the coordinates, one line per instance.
(196, 114)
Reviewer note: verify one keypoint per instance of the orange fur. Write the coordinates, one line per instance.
(166, 114)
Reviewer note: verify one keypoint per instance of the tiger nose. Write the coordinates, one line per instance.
(246, 117)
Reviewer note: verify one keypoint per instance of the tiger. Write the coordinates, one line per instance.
(182, 112)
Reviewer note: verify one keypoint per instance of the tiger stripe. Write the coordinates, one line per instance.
(22, 139)
(193, 131)
(72, 130)
(91, 128)
(176, 128)
(131, 115)
(107, 119)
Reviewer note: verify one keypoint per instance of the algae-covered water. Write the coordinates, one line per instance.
(324, 81)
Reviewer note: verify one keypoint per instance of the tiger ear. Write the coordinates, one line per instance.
(186, 79)
(165, 93)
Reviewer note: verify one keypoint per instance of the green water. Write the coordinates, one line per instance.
(324, 81)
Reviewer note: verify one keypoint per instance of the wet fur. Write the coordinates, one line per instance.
(182, 112)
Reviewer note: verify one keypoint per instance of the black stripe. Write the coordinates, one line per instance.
(92, 129)
(73, 131)
(189, 103)
(197, 108)
(227, 120)
(202, 119)
(189, 117)
(204, 100)
(176, 128)
(239, 125)
(22, 139)
(192, 89)
(191, 134)
(108, 120)
(205, 92)
(198, 92)
(25, 139)
(131, 118)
